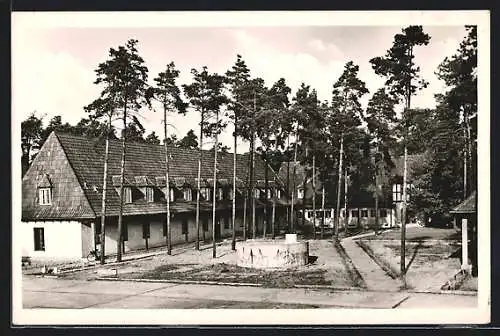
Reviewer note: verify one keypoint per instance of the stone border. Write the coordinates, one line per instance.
(234, 284)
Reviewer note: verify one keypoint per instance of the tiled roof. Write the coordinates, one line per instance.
(467, 206)
(146, 161)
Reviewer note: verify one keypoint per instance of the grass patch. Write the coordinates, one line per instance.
(235, 274)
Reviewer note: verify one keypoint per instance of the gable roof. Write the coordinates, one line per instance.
(467, 206)
(146, 161)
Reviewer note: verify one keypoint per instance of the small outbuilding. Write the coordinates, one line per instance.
(465, 216)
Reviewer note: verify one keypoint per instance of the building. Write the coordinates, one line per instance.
(62, 196)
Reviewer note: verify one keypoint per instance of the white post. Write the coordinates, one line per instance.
(465, 246)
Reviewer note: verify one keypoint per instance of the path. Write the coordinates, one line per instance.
(375, 277)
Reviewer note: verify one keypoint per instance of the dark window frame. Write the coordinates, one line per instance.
(39, 238)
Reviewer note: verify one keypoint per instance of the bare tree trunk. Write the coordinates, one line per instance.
(233, 241)
(266, 187)
(245, 196)
(337, 212)
(346, 212)
(273, 219)
(104, 190)
(376, 189)
(167, 182)
(288, 186)
(314, 195)
(200, 159)
(403, 219)
(294, 177)
(122, 178)
(214, 223)
(323, 211)
(252, 171)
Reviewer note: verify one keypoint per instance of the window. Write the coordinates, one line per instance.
(205, 224)
(39, 239)
(184, 226)
(220, 194)
(269, 193)
(188, 194)
(226, 222)
(230, 194)
(45, 196)
(278, 193)
(373, 213)
(364, 213)
(145, 230)
(327, 214)
(383, 213)
(354, 213)
(171, 194)
(300, 193)
(127, 195)
(205, 193)
(125, 231)
(397, 193)
(256, 193)
(150, 195)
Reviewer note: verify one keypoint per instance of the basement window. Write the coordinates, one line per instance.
(45, 196)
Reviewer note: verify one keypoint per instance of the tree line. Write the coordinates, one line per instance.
(338, 141)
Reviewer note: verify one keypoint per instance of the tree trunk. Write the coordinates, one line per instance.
(200, 159)
(294, 186)
(104, 191)
(167, 182)
(403, 217)
(337, 212)
(273, 219)
(214, 222)
(288, 216)
(252, 171)
(266, 187)
(119, 242)
(376, 189)
(233, 240)
(346, 211)
(323, 211)
(314, 195)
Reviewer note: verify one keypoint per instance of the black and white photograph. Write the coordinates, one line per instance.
(239, 168)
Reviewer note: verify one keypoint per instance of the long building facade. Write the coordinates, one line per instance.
(63, 188)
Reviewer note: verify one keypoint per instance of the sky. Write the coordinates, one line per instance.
(54, 65)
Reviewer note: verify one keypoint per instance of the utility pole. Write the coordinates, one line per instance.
(323, 210)
(233, 240)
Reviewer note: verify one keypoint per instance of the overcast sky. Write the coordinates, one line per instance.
(53, 67)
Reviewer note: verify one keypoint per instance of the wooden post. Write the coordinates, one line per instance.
(314, 195)
(465, 246)
(214, 222)
(337, 212)
(323, 211)
(167, 181)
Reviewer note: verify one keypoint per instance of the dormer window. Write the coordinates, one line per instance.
(45, 196)
(127, 195)
(205, 193)
(188, 195)
(171, 194)
(220, 194)
(150, 195)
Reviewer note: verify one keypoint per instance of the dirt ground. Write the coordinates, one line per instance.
(327, 269)
(429, 263)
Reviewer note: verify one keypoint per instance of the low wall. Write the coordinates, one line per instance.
(272, 254)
